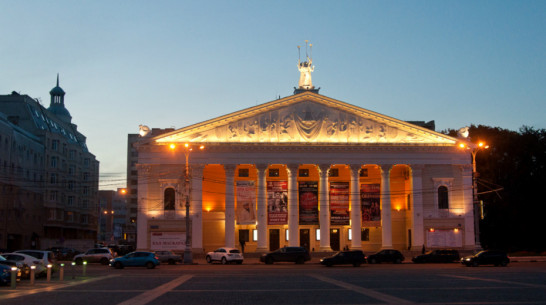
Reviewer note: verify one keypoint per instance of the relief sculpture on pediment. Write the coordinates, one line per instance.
(306, 122)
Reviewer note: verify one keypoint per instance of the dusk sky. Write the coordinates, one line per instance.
(175, 63)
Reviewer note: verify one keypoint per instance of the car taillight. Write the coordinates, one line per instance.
(156, 257)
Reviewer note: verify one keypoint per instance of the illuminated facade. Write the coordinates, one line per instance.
(306, 170)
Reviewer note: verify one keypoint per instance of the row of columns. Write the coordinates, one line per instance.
(293, 225)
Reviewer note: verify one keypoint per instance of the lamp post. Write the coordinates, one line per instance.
(188, 255)
(474, 148)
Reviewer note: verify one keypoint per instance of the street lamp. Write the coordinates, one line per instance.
(474, 148)
(188, 255)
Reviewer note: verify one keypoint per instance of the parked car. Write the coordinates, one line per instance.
(136, 259)
(96, 255)
(64, 253)
(387, 255)
(5, 274)
(298, 255)
(438, 256)
(487, 257)
(225, 255)
(355, 258)
(44, 256)
(27, 261)
(5, 268)
(168, 257)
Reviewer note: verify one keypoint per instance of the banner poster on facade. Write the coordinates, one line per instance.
(277, 202)
(339, 203)
(370, 200)
(246, 202)
(308, 194)
(167, 241)
(444, 239)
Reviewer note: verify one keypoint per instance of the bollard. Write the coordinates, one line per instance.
(13, 277)
(32, 274)
(84, 267)
(61, 273)
(49, 272)
(73, 270)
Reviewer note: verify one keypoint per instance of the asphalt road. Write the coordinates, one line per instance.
(253, 283)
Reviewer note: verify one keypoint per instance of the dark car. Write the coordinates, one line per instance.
(168, 257)
(487, 257)
(6, 266)
(298, 255)
(136, 259)
(438, 256)
(355, 258)
(388, 255)
(64, 253)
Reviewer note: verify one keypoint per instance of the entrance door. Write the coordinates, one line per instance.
(334, 239)
(304, 238)
(274, 241)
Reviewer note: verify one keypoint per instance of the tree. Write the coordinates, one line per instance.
(515, 162)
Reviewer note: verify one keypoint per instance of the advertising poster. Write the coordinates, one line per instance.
(246, 203)
(339, 203)
(277, 202)
(167, 241)
(308, 193)
(370, 201)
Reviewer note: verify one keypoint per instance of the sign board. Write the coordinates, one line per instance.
(167, 241)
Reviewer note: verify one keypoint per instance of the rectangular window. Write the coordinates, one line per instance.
(51, 215)
(55, 145)
(53, 179)
(317, 234)
(53, 195)
(350, 234)
(364, 172)
(273, 172)
(334, 172)
(304, 172)
(243, 172)
(85, 219)
(254, 235)
(54, 162)
(69, 216)
(70, 201)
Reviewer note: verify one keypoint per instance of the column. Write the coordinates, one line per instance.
(143, 234)
(469, 241)
(418, 226)
(386, 221)
(324, 205)
(262, 208)
(230, 206)
(356, 207)
(196, 205)
(293, 216)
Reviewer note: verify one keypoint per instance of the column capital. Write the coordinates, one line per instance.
(323, 168)
(355, 167)
(229, 168)
(261, 167)
(385, 168)
(292, 168)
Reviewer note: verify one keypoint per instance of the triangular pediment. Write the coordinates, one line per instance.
(305, 118)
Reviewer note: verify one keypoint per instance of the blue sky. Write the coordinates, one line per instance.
(174, 63)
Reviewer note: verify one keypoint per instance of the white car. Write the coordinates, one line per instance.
(45, 257)
(41, 269)
(225, 255)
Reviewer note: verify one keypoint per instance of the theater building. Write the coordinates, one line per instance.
(304, 170)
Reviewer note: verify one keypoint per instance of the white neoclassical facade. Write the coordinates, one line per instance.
(305, 170)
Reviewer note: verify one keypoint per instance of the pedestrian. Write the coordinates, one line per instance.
(423, 249)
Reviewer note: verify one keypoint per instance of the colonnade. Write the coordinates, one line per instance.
(293, 216)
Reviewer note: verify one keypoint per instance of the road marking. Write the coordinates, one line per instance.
(494, 281)
(53, 287)
(371, 293)
(153, 294)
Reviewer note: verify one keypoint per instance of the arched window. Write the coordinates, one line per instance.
(443, 198)
(168, 199)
